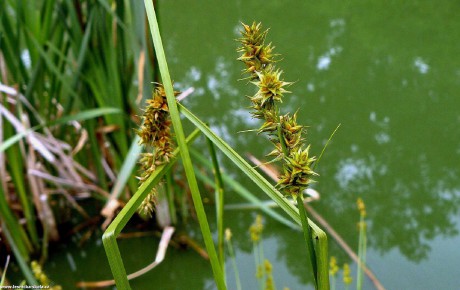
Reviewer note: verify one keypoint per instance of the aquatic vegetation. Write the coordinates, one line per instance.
(284, 132)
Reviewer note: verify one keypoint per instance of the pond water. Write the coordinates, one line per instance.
(389, 73)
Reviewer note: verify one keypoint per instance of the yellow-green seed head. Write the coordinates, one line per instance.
(291, 132)
(256, 229)
(297, 172)
(228, 234)
(255, 54)
(271, 86)
(333, 267)
(147, 206)
(347, 279)
(361, 207)
(268, 266)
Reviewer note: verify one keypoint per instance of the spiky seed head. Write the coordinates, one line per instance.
(297, 172)
(255, 54)
(147, 206)
(291, 132)
(271, 87)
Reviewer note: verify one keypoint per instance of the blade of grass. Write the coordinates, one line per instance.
(219, 197)
(115, 228)
(20, 260)
(19, 236)
(189, 171)
(16, 169)
(125, 172)
(2, 281)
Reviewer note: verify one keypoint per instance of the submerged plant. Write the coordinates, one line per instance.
(284, 132)
(155, 134)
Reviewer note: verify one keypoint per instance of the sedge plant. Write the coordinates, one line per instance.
(316, 236)
(284, 132)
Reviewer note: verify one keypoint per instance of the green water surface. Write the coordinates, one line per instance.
(389, 73)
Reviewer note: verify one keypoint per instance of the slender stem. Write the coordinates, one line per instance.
(281, 138)
(262, 264)
(361, 253)
(170, 196)
(235, 268)
(308, 237)
(332, 282)
(219, 197)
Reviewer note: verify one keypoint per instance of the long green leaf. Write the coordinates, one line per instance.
(180, 136)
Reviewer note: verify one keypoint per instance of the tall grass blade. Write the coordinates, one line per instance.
(189, 171)
(18, 235)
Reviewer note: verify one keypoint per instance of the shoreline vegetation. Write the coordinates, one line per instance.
(73, 80)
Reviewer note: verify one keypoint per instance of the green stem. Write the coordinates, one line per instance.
(170, 197)
(281, 138)
(235, 268)
(219, 197)
(308, 237)
(361, 253)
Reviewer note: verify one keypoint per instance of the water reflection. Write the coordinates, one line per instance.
(395, 95)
